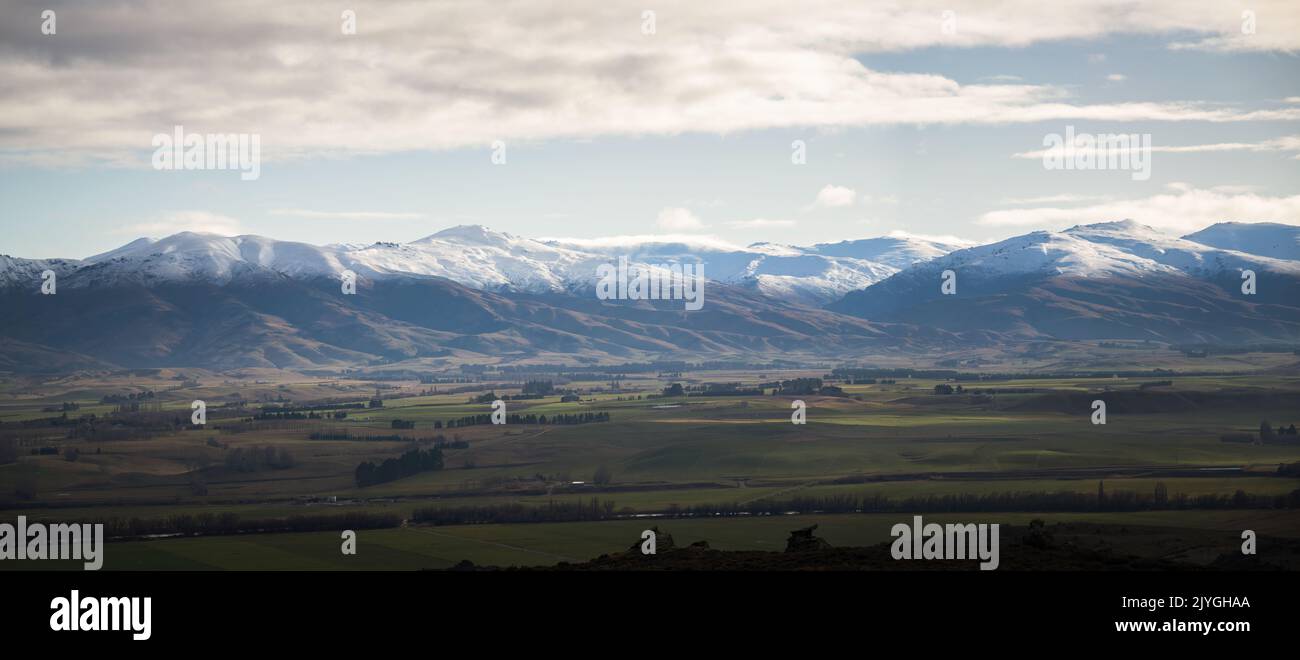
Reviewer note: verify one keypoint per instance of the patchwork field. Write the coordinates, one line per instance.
(883, 449)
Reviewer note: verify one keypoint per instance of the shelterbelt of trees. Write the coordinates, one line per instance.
(410, 463)
(515, 418)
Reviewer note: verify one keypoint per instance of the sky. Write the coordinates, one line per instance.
(606, 118)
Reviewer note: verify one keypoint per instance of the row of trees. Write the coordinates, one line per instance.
(572, 511)
(410, 463)
(205, 524)
(516, 418)
(337, 414)
(576, 511)
(1268, 434)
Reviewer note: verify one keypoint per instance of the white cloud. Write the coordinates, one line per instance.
(204, 222)
(678, 219)
(423, 76)
(832, 196)
(1287, 144)
(346, 215)
(1117, 77)
(1186, 209)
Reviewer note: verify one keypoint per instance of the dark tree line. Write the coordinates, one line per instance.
(552, 511)
(205, 524)
(410, 463)
(516, 418)
(1158, 499)
(338, 414)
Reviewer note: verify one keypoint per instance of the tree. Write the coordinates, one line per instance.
(365, 474)
(602, 477)
(674, 390)
(8, 451)
(1265, 431)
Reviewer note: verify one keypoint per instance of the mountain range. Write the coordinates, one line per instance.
(483, 259)
(470, 294)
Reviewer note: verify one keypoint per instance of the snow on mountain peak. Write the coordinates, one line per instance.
(470, 234)
(1269, 239)
(479, 257)
(1107, 248)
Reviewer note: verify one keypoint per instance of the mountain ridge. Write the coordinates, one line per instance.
(249, 301)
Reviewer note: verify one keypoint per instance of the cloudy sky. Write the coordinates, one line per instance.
(928, 118)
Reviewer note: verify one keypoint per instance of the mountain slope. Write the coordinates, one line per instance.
(1108, 280)
(266, 319)
(1267, 239)
(495, 261)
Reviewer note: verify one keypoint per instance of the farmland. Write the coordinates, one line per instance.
(896, 445)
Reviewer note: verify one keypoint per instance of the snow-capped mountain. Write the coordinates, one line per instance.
(1100, 250)
(471, 294)
(1267, 239)
(816, 275)
(496, 261)
(190, 256)
(898, 250)
(15, 271)
(1107, 280)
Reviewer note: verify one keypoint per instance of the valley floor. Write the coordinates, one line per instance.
(1160, 480)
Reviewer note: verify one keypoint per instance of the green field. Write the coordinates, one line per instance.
(897, 440)
(425, 547)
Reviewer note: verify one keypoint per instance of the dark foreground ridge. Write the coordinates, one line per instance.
(1036, 547)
